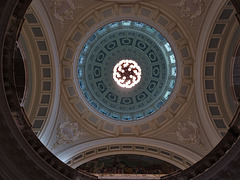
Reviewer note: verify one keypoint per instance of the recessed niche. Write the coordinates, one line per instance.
(30, 18)
(152, 149)
(183, 90)
(187, 71)
(127, 130)
(161, 118)
(114, 148)
(127, 147)
(211, 57)
(42, 111)
(145, 127)
(174, 106)
(37, 123)
(78, 157)
(109, 127)
(214, 110)
(219, 123)
(37, 32)
(46, 86)
(165, 153)
(45, 99)
(90, 153)
(92, 118)
(176, 35)
(69, 53)
(211, 98)
(209, 70)
(67, 72)
(177, 158)
(46, 72)
(102, 149)
(90, 22)
(218, 29)
(145, 12)
(163, 21)
(42, 45)
(77, 36)
(44, 59)
(71, 90)
(184, 52)
(107, 13)
(140, 148)
(209, 84)
(214, 43)
(226, 14)
(126, 9)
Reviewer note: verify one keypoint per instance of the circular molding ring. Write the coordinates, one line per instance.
(126, 40)
(162, 23)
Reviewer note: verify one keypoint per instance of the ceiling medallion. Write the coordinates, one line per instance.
(63, 10)
(126, 90)
(127, 73)
(190, 9)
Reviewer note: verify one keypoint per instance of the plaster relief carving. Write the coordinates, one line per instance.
(64, 9)
(68, 132)
(189, 133)
(190, 8)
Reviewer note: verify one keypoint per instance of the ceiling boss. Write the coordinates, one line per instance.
(127, 73)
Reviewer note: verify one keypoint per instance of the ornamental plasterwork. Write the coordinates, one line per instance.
(68, 132)
(188, 132)
(63, 10)
(190, 9)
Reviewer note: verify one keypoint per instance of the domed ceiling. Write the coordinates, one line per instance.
(132, 41)
(177, 112)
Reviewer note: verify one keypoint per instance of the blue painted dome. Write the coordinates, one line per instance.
(127, 40)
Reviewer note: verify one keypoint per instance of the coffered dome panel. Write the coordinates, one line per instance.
(127, 40)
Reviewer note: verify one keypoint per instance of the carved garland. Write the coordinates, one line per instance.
(189, 133)
(64, 9)
(187, 11)
(68, 132)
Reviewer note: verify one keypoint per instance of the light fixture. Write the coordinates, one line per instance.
(127, 73)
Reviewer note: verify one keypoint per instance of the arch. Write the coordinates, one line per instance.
(150, 147)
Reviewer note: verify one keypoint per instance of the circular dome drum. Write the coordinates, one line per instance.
(127, 40)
